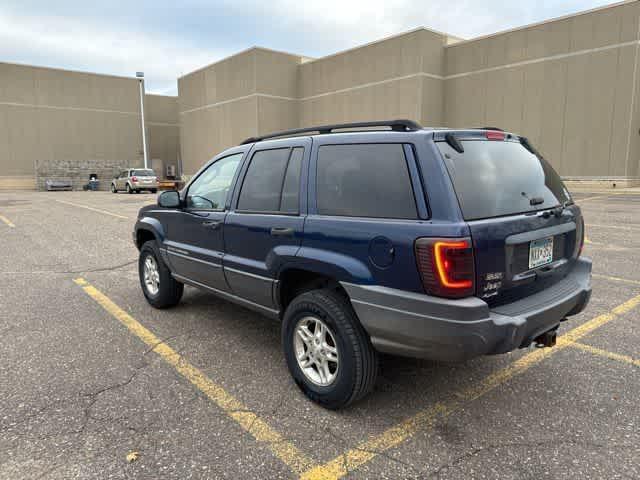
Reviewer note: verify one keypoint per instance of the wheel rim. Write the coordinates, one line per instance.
(151, 275)
(316, 351)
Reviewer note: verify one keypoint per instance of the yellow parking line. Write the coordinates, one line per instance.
(248, 420)
(369, 449)
(7, 221)
(616, 279)
(93, 209)
(605, 353)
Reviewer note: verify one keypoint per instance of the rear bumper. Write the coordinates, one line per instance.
(145, 186)
(416, 325)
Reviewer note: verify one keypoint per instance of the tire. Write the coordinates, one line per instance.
(113, 188)
(357, 365)
(169, 291)
(154, 190)
(128, 189)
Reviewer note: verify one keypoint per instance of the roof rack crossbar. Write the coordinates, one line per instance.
(400, 125)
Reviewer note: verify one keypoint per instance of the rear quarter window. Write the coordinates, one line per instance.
(364, 180)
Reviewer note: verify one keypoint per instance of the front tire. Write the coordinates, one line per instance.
(327, 350)
(113, 188)
(160, 289)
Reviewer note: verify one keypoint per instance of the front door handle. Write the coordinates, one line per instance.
(213, 224)
(282, 232)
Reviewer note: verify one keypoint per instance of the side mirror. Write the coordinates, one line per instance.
(169, 199)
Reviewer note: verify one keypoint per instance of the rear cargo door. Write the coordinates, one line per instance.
(524, 227)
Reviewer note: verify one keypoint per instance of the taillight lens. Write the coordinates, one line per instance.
(579, 237)
(134, 179)
(446, 266)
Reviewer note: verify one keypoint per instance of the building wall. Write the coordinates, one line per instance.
(399, 77)
(163, 131)
(56, 115)
(222, 104)
(567, 85)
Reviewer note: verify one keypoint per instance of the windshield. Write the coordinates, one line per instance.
(496, 178)
(147, 172)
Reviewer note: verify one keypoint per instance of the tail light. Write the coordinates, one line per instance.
(577, 251)
(446, 266)
(134, 179)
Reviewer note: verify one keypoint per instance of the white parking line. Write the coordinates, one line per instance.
(87, 207)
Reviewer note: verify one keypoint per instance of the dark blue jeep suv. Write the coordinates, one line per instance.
(375, 237)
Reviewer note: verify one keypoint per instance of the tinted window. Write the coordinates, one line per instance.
(364, 181)
(291, 187)
(147, 172)
(264, 182)
(494, 178)
(209, 191)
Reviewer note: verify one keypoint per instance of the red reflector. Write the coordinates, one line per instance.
(446, 266)
(495, 135)
(134, 179)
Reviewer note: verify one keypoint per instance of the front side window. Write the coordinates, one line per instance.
(364, 180)
(272, 182)
(209, 191)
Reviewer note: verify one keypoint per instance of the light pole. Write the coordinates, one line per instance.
(140, 77)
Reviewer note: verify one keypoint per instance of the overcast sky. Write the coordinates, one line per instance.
(169, 39)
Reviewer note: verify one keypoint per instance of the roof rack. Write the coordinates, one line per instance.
(488, 128)
(396, 125)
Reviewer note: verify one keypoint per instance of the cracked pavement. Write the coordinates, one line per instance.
(79, 392)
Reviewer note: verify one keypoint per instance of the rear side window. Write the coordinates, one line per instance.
(497, 178)
(272, 182)
(364, 180)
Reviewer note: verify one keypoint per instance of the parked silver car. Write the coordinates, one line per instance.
(135, 180)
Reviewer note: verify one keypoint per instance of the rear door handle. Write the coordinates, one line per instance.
(282, 232)
(213, 224)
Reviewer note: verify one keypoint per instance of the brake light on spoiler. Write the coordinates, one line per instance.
(446, 266)
(495, 135)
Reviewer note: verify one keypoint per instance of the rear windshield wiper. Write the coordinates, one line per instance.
(454, 143)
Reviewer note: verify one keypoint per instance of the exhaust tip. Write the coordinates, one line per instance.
(547, 339)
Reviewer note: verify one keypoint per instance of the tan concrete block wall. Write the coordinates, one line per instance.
(163, 131)
(26, 182)
(206, 132)
(395, 99)
(58, 115)
(242, 96)
(547, 82)
(400, 56)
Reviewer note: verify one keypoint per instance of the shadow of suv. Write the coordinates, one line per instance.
(433, 243)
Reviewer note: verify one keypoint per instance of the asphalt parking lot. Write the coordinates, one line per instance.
(90, 374)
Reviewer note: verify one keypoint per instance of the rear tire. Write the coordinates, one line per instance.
(356, 365)
(113, 188)
(160, 289)
(154, 190)
(128, 189)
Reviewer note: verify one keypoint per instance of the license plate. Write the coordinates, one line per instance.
(540, 252)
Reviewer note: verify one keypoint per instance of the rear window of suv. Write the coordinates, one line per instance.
(498, 178)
